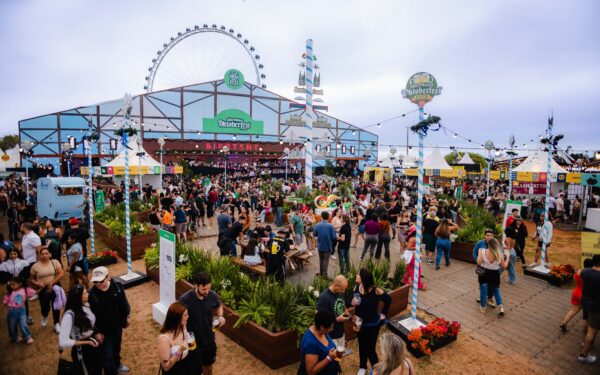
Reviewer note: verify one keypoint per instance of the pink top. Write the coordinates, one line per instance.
(16, 299)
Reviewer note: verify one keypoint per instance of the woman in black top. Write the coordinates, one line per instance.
(366, 303)
(521, 236)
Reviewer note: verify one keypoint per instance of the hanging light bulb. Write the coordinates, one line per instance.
(379, 125)
(455, 135)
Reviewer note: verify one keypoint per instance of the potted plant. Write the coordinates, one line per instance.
(102, 258)
(439, 333)
(561, 274)
(476, 220)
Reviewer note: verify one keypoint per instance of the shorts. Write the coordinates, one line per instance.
(361, 229)
(547, 245)
(180, 228)
(206, 355)
(593, 319)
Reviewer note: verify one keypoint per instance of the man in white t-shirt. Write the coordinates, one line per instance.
(560, 207)
(31, 243)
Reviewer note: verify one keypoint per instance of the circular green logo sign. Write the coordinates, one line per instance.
(421, 88)
(234, 79)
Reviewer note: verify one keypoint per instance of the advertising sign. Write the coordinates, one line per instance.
(421, 88)
(510, 205)
(167, 267)
(590, 179)
(233, 121)
(526, 188)
(234, 79)
(590, 245)
(99, 200)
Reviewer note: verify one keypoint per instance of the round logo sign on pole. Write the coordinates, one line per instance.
(234, 79)
(421, 88)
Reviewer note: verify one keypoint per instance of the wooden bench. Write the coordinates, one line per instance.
(300, 259)
(258, 269)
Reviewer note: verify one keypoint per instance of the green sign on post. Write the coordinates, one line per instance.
(421, 88)
(99, 199)
(234, 79)
(233, 121)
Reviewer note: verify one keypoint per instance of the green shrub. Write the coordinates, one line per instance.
(477, 220)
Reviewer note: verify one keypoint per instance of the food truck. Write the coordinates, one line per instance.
(60, 198)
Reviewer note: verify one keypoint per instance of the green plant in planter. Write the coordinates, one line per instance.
(255, 310)
(380, 271)
(478, 220)
(183, 272)
(228, 298)
(398, 274)
(152, 257)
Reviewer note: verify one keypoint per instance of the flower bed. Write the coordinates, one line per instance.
(139, 242)
(428, 338)
(561, 274)
(265, 317)
(102, 258)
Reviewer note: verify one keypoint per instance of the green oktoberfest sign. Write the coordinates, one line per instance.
(233, 121)
(234, 79)
(421, 88)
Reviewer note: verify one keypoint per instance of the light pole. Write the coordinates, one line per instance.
(286, 155)
(511, 154)
(67, 152)
(140, 154)
(225, 152)
(392, 158)
(161, 143)
(27, 152)
(489, 146)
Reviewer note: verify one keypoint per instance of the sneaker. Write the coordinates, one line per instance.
(501, 313)
(34, 297)
(478, 300)
(491, 303)
(589, 359)
(29, 320)
(437, 268)
(532, 265)
(429, 261)
(482, 309)
(332, 257)
(361, 371)
(57, 328)
(546, 264)
(29, 341)
(123, 369)
(44, 321)
(18, 340)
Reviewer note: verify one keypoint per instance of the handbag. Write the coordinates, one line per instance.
(66, 367)
(480, 271)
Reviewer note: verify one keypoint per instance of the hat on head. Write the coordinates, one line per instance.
(99, 274)
(73, 221)
(362, 196)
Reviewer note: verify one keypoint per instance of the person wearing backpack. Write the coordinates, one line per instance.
(110, 306)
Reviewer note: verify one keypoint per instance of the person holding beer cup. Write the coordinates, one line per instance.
(206, 317)
(173, 342)
(318, 353)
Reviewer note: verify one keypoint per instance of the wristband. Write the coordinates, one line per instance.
(329, 358)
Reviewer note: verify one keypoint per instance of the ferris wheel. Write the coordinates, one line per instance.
(203, 54)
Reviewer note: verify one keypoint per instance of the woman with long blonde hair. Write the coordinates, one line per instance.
(393, 357)
(489, 261)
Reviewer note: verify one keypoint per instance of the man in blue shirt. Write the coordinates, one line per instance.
(325, 236)
(483, 244)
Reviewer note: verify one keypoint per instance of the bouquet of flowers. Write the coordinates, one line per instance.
(425, 338)
(102, 258)
(561, 274)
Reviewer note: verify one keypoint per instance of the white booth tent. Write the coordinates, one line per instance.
(538, 162)
(466, 159)
(134, 160)
(436, 160)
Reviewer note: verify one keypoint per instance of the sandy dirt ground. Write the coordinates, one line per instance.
(465, 356)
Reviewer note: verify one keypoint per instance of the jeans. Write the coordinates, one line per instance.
(483, 295)
(261, 216)
(384, 240)
(323, 262)
(367, 342)
(111, 351)
(233, 250)
(442, 245)
(344, 259)
(512, 274)
(17, 319)
(370, 243)
(46, 299)
(278, 216)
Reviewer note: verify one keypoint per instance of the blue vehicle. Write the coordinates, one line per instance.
(60, 198)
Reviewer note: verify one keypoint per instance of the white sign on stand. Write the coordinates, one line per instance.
(166, 270)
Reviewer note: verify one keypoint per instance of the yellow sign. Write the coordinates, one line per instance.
(590, 245)
(118, 170)
(178, 169)
(574, 178)
(525, 176)
(145, 169)
(495, 175)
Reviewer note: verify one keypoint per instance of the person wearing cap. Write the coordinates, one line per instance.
(110, 306)
(81, 236)
(512, 217)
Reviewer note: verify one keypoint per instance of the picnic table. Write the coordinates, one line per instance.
(259, 269)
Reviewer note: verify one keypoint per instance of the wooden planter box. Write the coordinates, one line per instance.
(270, 218)
(139, 243)
(462, 251)
(278, 349)
(104, 262)
(143, 216)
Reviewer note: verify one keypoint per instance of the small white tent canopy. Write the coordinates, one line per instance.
(538, 162)
(436, 161)
(466, 159)
(134, 160)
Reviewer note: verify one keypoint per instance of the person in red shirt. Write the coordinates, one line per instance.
(510, 219)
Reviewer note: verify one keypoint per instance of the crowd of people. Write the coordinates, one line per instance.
(37, 253)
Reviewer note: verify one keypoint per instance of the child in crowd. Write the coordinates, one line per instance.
(15, 300)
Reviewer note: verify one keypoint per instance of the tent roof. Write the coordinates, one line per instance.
(466, 159)
(538, 162)
(436, 161)
(134, 160)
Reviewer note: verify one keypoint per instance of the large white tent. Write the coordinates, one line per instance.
(538, 162)
(134, 160)
(435, 160)
(466, 159)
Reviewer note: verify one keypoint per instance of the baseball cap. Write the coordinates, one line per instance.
(99, 274)
(73, 221)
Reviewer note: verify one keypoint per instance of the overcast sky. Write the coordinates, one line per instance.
(502, 64)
